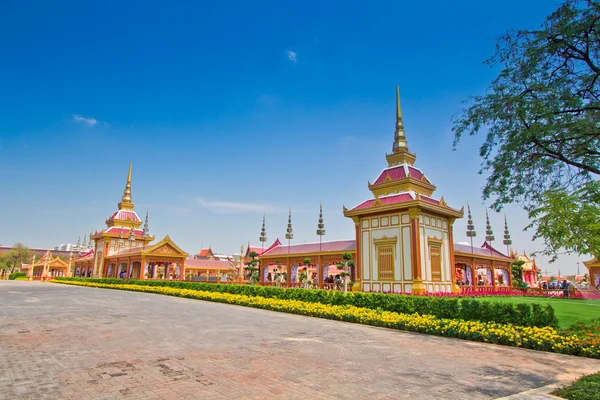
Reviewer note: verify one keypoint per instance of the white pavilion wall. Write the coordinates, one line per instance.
(393, 225)
(436, 228)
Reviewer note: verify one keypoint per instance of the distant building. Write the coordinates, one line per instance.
(39, 253)
(69, 247)
(205, 254)
(530, 269)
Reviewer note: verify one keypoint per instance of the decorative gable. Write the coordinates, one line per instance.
(164, 249)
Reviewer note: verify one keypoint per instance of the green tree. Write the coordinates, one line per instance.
(11, 260)
(516, 268)
(343, 267)
(569, 220)
(541, 116)
(304, 275)
(279, 275)
(252, 268)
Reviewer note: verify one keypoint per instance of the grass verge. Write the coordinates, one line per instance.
(585, 388)
(567, 311)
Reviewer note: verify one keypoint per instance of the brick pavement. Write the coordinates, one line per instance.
(66, 342)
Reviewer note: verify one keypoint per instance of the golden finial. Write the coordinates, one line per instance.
(400, 143)
(126, 200)
(398, 109)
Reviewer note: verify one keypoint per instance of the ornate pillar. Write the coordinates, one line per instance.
(320, 269)
(289, 272)
(474, 277)
(182, 270)
(418, 286)
(129, 268)
(454, 286)
(493, 274)
(143, 269)
(357, 261)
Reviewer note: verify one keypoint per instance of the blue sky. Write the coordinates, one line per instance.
(231, 109)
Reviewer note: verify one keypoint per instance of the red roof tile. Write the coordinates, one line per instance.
(259, 250)
(429, 199)
(395, 173)
(484, 250)
(209, 264)
(204, 252)
(86, 256)
(336, 246)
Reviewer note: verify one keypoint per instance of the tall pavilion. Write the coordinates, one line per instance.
(117, 235)
(403, 234)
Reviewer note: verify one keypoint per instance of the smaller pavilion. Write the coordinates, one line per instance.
(530, 269)
(84, 265)
(593, 267)
(123, 249)
(291, 259)
(209, 270)
(205, 254)
(481, 268)
(163, 260)
(46, 268)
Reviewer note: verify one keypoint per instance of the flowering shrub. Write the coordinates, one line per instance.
(577, 295)
(545, 338)
(441, 307)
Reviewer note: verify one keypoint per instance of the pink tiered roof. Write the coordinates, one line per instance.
(387, 200)
(400, 172)
(307, 248)
(115, 230)
(397, 198)
(125, 215)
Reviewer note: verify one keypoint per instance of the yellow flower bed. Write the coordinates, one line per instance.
(547, 338)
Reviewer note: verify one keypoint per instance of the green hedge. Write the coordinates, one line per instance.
(16, 275)
(442, 307)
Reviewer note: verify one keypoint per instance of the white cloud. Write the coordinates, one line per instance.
(89, 121)
(292, 56)
(232, 207)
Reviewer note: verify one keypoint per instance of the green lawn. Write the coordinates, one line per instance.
(567, 311)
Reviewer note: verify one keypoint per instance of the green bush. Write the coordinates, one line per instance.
(585, 388)
(442, 307)
(16, 275)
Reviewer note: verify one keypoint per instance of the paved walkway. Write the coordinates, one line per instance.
(60, 341)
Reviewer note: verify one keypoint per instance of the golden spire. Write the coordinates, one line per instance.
(400, 142)
(398, 108)
(126, 200)
(400, 153)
